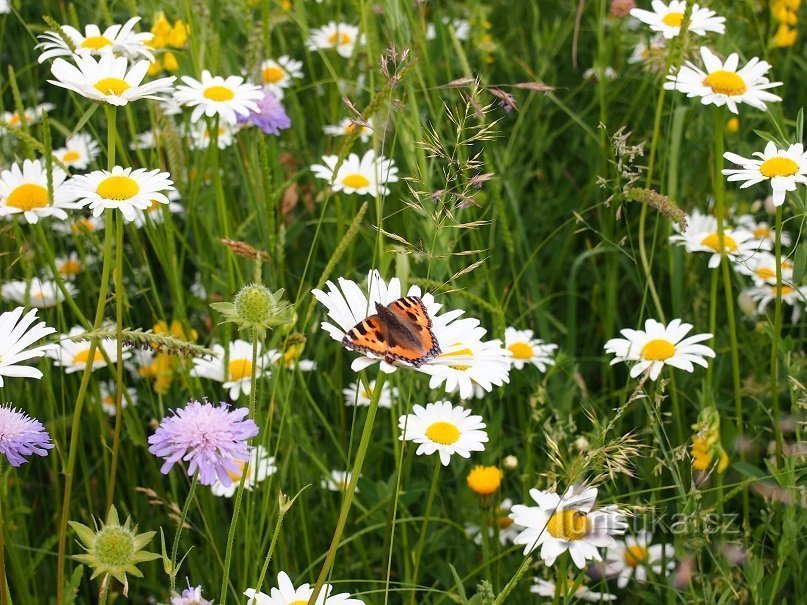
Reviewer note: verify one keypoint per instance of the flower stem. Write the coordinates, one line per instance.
(118, 277)
(3, 582)
(183, 515)
(364, 443)
(422, 538)
(777, 330)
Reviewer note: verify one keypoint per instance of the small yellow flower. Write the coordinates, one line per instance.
(733, 125)
(485, 480)
(170, 62)
(706, 446)
(161, 372)
(176, 330)
(785, 36)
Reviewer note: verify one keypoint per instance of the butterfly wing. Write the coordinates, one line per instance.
(368, 336)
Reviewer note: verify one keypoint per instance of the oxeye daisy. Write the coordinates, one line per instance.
(109, 80)
(290, 359)
(17, 335)
(21, 436)
(30, 115)
(337, 481)
(78, 151)
(287, 594)
(72, 354)
(564, 523)
(367, 175)
(201, 135)
(215, 95)
(109, 389)
(659, 345)
(124, 189)
(156, 212)
(723, 84)
(340, 36)
(279, 75)
(212, 438)
(701, 235)
(525, 349)
(762, 269)
(260, 466)
(358, 394)
(80, 226)
(667, 19)
(115, 40)
(549, 589)
(233, 370)
(794, 296)
(443, 429)
(39, 293)
(783, 168)
(637, 556)
(461, 27)
(348, 126)
(761, 230)
(500, 523)
(24, 190)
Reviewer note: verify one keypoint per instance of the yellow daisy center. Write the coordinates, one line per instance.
(765, 273)
(38, 295)
(27, 197)
(70, 156)
(352, 127)
(14, 119)
(725, 82)
(112, 86)
(568, 525)
(504, 522)
(242, 467)
(300, 601)
(82, 356)
(337, 39)
(521, 350)
(118, 188)
(240, 369)
(658, 349)
(785, 290)
(713, 241)
(673, 19)
(70, 267)
(635, 555)
(96, 42)
(761, 232)
(778, 167)
(355, 181)
(272, 75)
(443, 433)
(485, 480)
(218, 93)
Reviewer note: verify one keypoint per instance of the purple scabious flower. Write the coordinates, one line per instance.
(189, 596)
(21, 436)
(212, 438)
(270, 117)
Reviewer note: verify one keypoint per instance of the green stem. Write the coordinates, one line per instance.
(280, 514)
(424, 527)
(777, 330)
(3, 582)
(118, 276)
(183, 515)
(364, 443)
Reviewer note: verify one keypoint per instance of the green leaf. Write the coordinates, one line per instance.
(458, 584)
(799, 263)
(71, 588)
(749, 470)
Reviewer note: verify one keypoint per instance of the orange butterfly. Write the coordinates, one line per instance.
(400, 331)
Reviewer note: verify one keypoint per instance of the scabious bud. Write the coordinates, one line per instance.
(257, 308)
(621, 8)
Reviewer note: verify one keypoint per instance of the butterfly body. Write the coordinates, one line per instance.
(400, 331)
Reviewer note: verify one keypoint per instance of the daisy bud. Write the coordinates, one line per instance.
(510, 462)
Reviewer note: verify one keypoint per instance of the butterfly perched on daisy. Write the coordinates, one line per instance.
(400, 331)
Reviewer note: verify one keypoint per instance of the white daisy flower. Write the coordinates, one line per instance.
(109, 390)
(24, 190)
(701, 236)
(155, 213)
(78, 151)
(762, 269)
(723, 84)
(668, 18)
(337, 481)
(461, 27)
(559, 524)
(215, 95)
(794, 296)
(636, 556)
(595, 74)
(507, 530)
(30, 115)
(651, 53)
(290, 359)
(366, 176)
(201, 135)
(108, 80)
(279, 75)
(124, 189)
(783, 168)
(761, 230)
(41, 293)
(359, 395)
(17, 334)
(659, 345)
(73, 355)
(341, 36)
(525, 349)
(237, 373)
(260, 466)
(80, 226)
(348, 126)
(287, 594)
(149, 139)
(70, 266)
(547, 588)
(443, 429)
(115, 40)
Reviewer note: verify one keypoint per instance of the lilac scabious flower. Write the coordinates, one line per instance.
(21, 436)
(189, 596)
(212, 438)
(270, 117)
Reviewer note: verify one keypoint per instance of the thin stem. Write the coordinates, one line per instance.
(422, 538)
(3, 582)
(118, 275)
(777, 330)
(364, 443)
(280, 514)
(183, 515)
